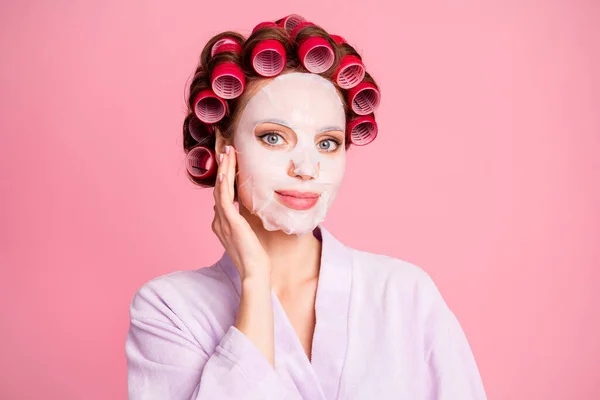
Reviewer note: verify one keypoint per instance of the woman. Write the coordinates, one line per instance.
(289, 312)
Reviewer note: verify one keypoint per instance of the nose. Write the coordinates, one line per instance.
(304, 169)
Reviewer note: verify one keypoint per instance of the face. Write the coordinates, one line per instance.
(290, 151)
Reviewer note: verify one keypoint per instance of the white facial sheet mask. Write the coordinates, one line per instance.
(309, 105)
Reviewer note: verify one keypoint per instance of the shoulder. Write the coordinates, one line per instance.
(395, 280)
(178, 292)
(380, 269)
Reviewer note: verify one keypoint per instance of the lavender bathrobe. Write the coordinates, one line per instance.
(383, 331)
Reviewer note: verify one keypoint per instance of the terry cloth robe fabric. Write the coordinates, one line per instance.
(383, 331)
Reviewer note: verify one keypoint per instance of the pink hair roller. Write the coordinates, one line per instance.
(228, 80)
(198, 129)
(268, 58)
(364, 98)
(262, 25)
(362, 130)
(208, 107)
(291, 21)
(315, 53)
(226, 44)
(297, 28)
(338, 39)
(350, 72)
(200, 162)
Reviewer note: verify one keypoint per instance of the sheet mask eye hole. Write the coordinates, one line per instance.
(328, 145)
(272, 139)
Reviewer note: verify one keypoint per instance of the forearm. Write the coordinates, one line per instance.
(166, 361)
(255, 315)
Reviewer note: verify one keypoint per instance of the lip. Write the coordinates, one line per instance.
(297, 200)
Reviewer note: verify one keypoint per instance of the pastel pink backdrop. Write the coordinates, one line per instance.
(485, 174)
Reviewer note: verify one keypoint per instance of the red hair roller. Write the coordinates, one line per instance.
(291, 21)
(226, 44)
(208, 107)
(297, 28)
(338, 39)
(268, 58)
(362, 130)
(364, 98)
(315, 53)
(350, 72)
(200, 162)
(267, 24)
(228, 80)
(198, 129)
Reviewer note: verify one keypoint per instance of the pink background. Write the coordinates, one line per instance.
(485, 174)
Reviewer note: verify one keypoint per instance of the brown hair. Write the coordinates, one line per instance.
(201, 81)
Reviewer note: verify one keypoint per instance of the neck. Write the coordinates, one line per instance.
(294, 259)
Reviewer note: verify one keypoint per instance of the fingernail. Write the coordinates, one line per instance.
(221, 177)
(226, 149)
(221, 157)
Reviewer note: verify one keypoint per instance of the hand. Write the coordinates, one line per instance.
(234, 232)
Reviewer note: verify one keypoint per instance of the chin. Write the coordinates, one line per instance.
(289, 224)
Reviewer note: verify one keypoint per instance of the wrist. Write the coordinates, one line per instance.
(253, 273)
(256, 281)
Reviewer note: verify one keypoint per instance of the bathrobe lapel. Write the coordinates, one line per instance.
(332, 307)
(319, 378)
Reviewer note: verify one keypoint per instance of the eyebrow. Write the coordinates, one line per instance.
(283, 123)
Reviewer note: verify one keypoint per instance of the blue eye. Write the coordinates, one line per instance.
(272, 138)
(328, 145)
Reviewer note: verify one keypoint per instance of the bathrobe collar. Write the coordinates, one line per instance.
(332, 305)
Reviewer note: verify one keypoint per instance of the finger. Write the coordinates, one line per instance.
(226, 162)
(231, 164)
(220, 169)
(225, 203)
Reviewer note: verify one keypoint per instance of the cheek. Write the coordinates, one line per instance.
(334, 170)
(254, 177)
(247, 189)
(260, 164)
(244, 194)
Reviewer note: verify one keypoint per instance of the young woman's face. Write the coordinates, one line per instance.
(290, 151)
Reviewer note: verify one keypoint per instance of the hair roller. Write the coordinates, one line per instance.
(338, 39)
(268, 58)
(226, 44)
(200, 162)
(362, 130)
(298, 28)
(263, 25)
(350, 73)
(228, 80)
(208, 107)
(315, 53)
(351, 70)
(198, 129)
(290, 22)
(364, 98)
